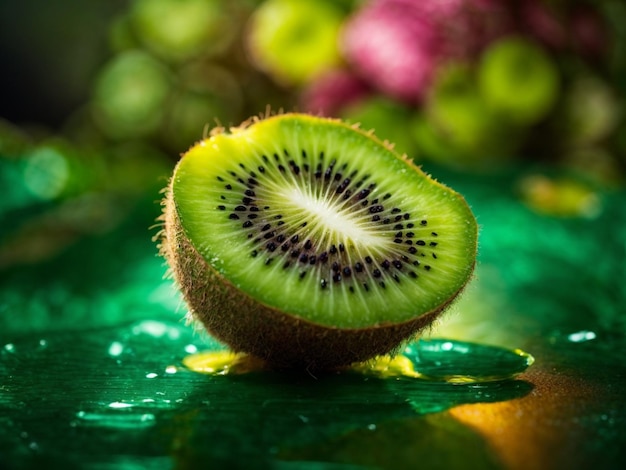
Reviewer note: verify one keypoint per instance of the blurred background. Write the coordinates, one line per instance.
(513, 102)
(519, 105)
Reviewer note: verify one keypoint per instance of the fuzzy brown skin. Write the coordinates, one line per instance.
(247, 325)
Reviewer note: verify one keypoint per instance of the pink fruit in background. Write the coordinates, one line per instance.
(466, 26)
(392, 46)
(397, 44)
(332, 92)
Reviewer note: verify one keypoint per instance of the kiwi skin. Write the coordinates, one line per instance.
(247, 325)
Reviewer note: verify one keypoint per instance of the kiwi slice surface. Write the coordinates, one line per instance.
(316, 221)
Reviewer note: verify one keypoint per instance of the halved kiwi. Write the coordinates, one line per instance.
(310, 243)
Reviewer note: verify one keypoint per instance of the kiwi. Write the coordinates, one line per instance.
(310, 243)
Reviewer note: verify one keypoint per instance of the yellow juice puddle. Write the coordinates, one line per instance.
(407, 365)
(227, 363)
(223, 363)
(387, 367)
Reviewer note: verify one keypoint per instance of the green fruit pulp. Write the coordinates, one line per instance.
(322, 221)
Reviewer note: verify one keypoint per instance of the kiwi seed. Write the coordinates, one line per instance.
(309, 243)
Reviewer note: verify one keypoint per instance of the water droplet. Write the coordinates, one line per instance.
(171, 370)
(447, 346)
(191, 349)
(463, 362)
(151, 375)
(116, 348)
(156, 329)
(10, 347)
(120, 405)
(115, 418)
(581, 336)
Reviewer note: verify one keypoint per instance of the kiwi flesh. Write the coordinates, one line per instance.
(310, 243)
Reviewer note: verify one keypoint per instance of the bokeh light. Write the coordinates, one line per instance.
(295, 40)
(46, 173)
(182, 29)
(130, 95)
(518, 80)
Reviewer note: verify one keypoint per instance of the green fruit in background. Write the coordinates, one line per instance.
(129, 95)
(590, 113)
(181, 29)
(388, 118)
(457, 126)
(295, 40)
(457, 109)
(518, 80)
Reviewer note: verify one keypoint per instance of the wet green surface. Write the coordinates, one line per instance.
(91, 350)
(115, 393)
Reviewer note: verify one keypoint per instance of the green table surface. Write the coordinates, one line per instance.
(92, 351)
